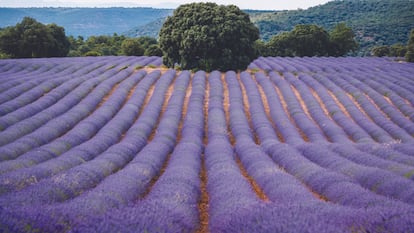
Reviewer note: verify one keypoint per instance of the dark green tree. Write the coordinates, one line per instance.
(9, 43)
(30, 38)
(153, 50)
(281, 45)
(59, 44)
(208, 36)
(309, 40)
(261, 48)
(312, 40)
(398, 50)
(342, 40)
(132, 47)
(381, 51)
(409, 56)
(147, 41)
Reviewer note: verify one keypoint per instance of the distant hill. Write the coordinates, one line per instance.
(375, 22)
(152, 28)
(86, 21)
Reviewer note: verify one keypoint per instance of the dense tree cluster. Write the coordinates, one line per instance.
(375, 22)
(397, 50)
(311, 40)
(113, 46)
(202, 36)
(208, 36)
(33, 39)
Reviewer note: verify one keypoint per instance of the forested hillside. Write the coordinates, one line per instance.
(375, 22)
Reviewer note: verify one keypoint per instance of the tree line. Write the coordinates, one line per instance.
(197, 36)
(32, 39)
(310, 40)
(397, 50)
(115, 45)
(375, 22)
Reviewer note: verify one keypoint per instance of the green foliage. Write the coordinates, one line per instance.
(409, 56)
(132, 47)
(208, 36)
(374, 22)
(261, 48)
(59, 44)
(30, 38)
(342, 40)
(311, 40)
(114, 45)
(147, 41)
(153, 50)
(104, 45)
(4, 56)
(398, 50)
(281, 45)
(92, 54)
(395, 50)
(381, 51)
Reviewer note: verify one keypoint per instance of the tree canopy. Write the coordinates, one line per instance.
(375, 22)
(312, 40)
(208, 36)
(397, 50)
(132, 47)
(33, 39)
(342, 40)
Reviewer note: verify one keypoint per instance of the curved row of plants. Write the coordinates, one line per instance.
(109, 144)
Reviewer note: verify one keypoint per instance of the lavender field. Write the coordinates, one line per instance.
(121, 144)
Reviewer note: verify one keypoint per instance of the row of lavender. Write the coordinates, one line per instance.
(357, 197)
(93, 169)
(376, 93)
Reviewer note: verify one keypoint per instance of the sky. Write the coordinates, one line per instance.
(259, 4)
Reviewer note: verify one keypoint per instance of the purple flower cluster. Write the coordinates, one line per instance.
(229, 192)
(306, 124)
(108, 134)
(353, 130)
(21, 140)
(334, 132)
(70, 183)
(373, 111)
(375, 131)
(278, 185)
(104, 144)
(279, 116)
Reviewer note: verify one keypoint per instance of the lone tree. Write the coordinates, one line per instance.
(209, 37)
